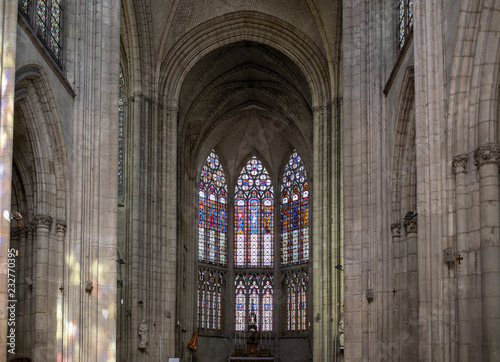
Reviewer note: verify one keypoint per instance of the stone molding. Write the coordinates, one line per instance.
(141, 96)
(43, 221)
(396, 229)
(460, 164)
(486, 154)
(319, 109)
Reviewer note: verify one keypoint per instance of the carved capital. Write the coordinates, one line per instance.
(411, 226)
(29, 228)
(460, 164)
(487, 154)
(61, 226)
(43, 221)
(396, 229)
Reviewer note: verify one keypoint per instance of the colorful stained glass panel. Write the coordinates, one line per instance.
(212, 213)
(294, 213)
(24, 6)
(254, 217)
(41, 18)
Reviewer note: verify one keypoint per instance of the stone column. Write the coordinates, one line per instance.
(8, 32)
(460, 168)
(21, 294)
(398, 331)
(43, 225)
(487, 161)
(409, 343)
(60, 233)
(92, 63)
(30, 300)
(169, 180)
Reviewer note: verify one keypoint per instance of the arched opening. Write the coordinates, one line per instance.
(243, 109)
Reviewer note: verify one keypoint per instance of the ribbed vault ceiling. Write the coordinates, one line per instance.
(246, 98)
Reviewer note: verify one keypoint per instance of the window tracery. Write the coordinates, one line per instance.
(254, 217)
(210, 299)
(212, 216)
(294, 213)
(254, 301)
(296, 284)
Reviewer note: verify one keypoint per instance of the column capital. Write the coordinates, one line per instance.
(396, 229)
(460, 164)
(29, 228)
(485, 154)
(61, 226)
(43, 221)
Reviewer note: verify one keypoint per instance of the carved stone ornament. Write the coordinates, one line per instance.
(460, 164)
(411, 226)
(43, 221)
(61, 226)
(29, 228)
(396, 229)
(487, 154)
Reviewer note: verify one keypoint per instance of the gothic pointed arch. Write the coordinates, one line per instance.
(226, 30)
(39, 185)
(40, 126)
(404, 152)
(254, 217)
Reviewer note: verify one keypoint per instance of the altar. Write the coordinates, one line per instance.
(250, 359)
(252, 345)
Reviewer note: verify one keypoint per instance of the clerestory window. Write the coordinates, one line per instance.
(405, 21)
(45, 18)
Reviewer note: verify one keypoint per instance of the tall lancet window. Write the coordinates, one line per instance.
(253, 218)
(294, 213)
(254, 248)
(212, 215)
(405, 21)
(122, 101)
(295, 243)
(212, 244)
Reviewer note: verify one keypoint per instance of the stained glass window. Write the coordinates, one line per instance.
(24, 6)
(405, 21)
(45, 17)
(210, 284)
(253, 217)
(401, 23)
(267, 307)
(296, 284)
(212, 215)
(41, 19)
(294, 213)
(122, 100)
(55, 29)
(241, 303)
(254, 293)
